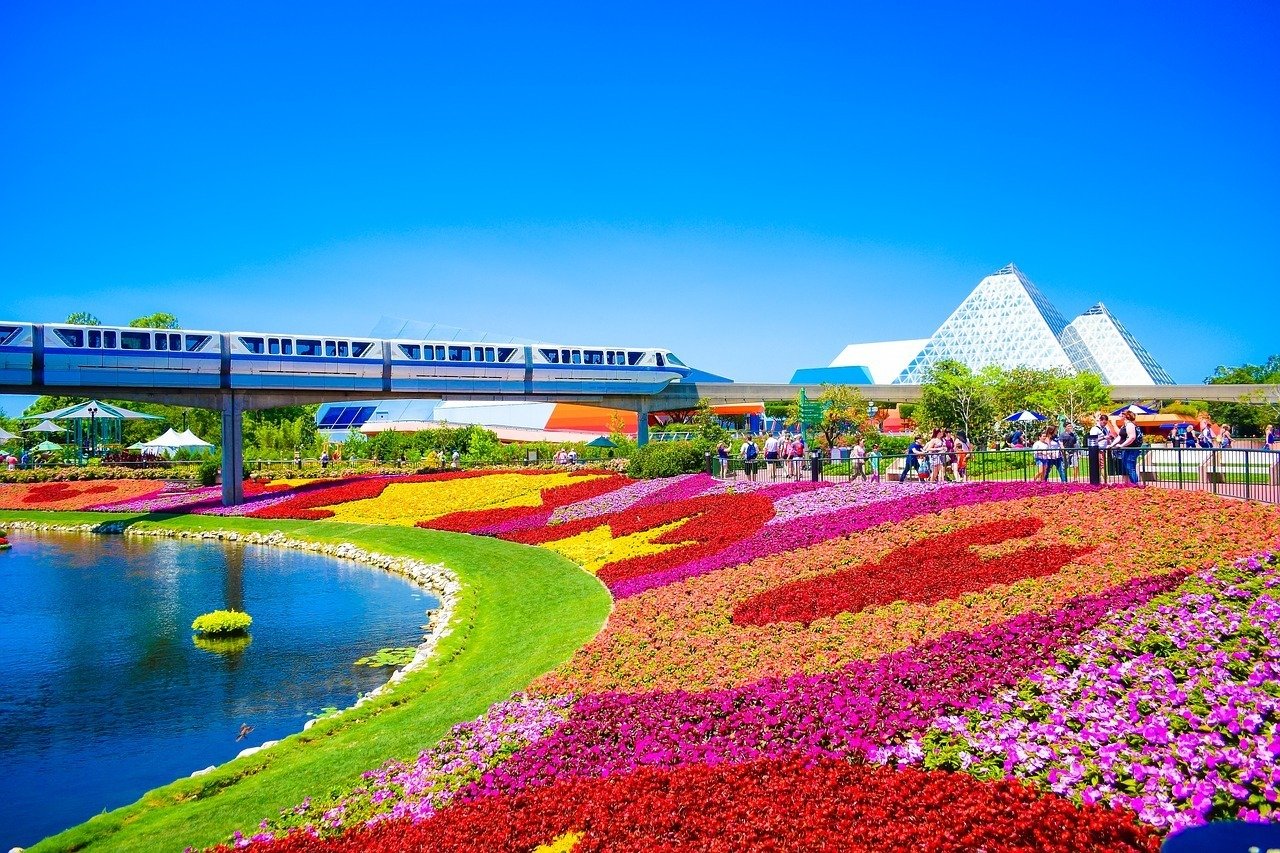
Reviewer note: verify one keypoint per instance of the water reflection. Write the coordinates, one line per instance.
(104, 693)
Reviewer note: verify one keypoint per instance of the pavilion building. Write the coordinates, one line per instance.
(1006, 321)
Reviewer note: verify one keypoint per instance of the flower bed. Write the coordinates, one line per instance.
(1090, 660)
(66, 496)
(766, 805)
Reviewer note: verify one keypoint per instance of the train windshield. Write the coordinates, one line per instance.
(671, 359)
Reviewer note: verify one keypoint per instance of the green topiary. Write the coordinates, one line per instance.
(222, 623)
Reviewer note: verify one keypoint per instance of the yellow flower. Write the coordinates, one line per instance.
(594, 548)
(405, 504)
(562, 844)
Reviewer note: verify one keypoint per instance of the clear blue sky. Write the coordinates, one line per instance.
(752, 185)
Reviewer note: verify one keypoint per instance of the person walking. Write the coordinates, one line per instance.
(1130, 446)
(963, 449)
(950, 461)
(722, 453)
(797, 457)
(772, 453)
(858, 461)
(912, 462)
(1070, 448)
(874, 458)
(1272, 437)
(936, 457)
(1041, 451)
(749, 452)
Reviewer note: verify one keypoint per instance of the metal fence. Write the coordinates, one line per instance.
(1246, 473)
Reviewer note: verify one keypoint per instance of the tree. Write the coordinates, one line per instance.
(159, 320)
(844, 409)
(83, 318)
(706, 425)
(1073, 396)
(952, 396)
(1250, 415)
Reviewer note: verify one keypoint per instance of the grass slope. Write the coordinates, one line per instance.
(522, 611)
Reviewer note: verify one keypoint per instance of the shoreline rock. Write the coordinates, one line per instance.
(434, 578)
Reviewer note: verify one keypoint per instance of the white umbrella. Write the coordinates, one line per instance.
(1025, 416)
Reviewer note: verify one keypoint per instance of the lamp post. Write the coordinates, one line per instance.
(93, 429)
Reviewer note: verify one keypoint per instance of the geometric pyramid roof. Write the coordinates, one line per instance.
(1005, 321)
(1120, 359)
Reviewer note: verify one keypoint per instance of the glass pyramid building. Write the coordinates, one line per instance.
(1007, 321)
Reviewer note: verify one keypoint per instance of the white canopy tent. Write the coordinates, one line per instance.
(171, 442)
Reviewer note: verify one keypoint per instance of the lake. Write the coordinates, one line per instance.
(105, 695)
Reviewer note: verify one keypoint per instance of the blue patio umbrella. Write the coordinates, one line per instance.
(1025, 416)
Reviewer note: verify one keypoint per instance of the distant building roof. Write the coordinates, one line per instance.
(832, 376)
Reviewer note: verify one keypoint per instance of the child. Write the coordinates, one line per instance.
(874, 458)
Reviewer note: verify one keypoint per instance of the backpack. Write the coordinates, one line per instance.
(751, 450)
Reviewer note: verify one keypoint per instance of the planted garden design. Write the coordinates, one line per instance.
(998, 665)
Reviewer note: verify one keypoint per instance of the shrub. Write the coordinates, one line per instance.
(208, 473)
(666, 459)
(222, 623)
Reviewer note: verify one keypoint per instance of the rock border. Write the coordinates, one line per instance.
(434, 578)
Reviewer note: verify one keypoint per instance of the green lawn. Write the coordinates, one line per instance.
(522, 611)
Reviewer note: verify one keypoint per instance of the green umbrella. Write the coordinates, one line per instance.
(600, 442)
(48, 445)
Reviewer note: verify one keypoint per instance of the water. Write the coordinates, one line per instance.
(103, 694)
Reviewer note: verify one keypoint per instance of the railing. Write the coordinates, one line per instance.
(1244, 473)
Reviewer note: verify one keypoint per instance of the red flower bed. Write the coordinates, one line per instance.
(764, 805)
(313, 495)
(926, 572)
(45, 493)
(472, 520)
(716, 522)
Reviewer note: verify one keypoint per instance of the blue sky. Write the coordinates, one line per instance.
(752, 185)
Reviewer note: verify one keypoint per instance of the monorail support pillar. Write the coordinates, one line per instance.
(642, 422)
(232, 450)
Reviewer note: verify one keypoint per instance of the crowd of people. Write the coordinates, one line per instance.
(945, 454)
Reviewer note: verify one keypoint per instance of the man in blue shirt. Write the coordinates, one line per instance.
(913, 458)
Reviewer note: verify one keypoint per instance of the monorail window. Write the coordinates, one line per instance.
(329, 349)
(634, 358)
(411, 350)
(552, 356)
(175, 343)
(671, 359)
(505, 353)
(195, 343)
(342, 349)
(306, 347)
(286, 346)
(70, 337)
(253, 345)
(359, 348)
(489, 354)
(608, 357)
(95, 339)
(8, 333)
(564, 356)
(658, 358)
(459, 353)
(142, 340)
(440, 353)
(162, 342)
(108, 340)
(592, 356)
(577, 356)
(273, 346)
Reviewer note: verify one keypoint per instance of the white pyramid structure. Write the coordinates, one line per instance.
(1120, 359)
(1006, 320)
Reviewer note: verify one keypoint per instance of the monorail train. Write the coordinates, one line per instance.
(60, 354)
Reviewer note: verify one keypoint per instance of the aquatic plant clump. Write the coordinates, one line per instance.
(222, 623)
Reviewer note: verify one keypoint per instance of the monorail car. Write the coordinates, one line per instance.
(63, 354)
